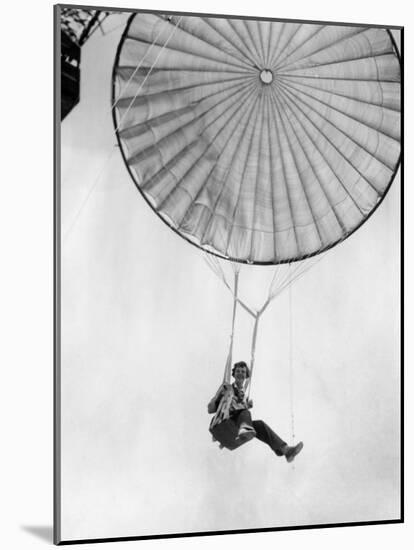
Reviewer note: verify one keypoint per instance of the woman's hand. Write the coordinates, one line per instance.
(249, 403)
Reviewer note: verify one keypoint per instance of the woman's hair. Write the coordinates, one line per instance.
(241, 364)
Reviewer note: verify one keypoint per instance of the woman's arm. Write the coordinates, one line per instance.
(212, 406)
(214, 403)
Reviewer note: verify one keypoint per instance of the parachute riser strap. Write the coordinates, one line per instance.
(253, 352)
(223, 409)
(215, 267)
(291, 377)
(227, 370)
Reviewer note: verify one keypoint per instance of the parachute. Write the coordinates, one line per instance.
(259, 142)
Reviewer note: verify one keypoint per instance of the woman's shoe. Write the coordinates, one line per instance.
(246, 432)
(291, 452)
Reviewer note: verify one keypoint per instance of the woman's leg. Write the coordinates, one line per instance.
(242, 417)
(268, 436)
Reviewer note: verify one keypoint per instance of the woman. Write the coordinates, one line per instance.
(238, 409)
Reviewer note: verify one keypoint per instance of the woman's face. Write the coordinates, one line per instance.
(240, 374)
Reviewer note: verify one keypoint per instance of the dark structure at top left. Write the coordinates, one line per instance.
(76, 26)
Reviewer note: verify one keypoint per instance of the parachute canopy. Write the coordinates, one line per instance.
(259, 141)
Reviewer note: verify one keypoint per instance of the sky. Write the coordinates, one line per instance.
(145, 335)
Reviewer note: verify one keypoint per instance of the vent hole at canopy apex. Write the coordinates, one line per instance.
(266, 76)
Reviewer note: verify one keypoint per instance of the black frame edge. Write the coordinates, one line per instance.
(402, 288)
(231, 532)
(56, 278)
(230, 15)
